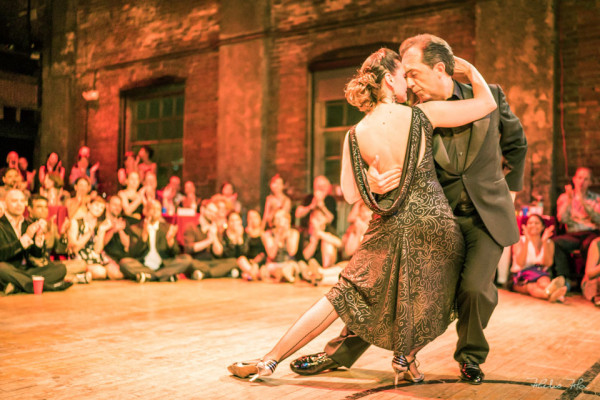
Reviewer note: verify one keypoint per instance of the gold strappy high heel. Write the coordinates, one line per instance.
(402, 366)
(253, 369)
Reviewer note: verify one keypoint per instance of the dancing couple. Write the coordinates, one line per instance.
(442, 214)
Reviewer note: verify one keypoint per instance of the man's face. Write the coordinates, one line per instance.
(175, 183)
(23, 164)
(82, 187)
(582, 180)
(211, 211)
(12, 159)
(39, 209)
(153, 210)
(11, 178)
(114, 206)
(150, 180)
(84, 152)
(15, 203)
(421, 79)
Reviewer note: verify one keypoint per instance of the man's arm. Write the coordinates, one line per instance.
(512, 142)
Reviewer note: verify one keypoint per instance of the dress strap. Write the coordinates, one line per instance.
(408, 171)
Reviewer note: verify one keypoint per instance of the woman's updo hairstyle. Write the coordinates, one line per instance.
(364, 90)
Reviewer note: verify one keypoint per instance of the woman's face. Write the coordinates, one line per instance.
(227, 189)
(399, 83)
(53, 159)
(143, 154)
(133, 181)
(276, 185)
(234, 221)
(534, 226)
(189, 188)
(254, 219)
(96, 209)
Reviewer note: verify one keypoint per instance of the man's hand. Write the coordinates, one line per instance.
(383, 183)
(172, 232)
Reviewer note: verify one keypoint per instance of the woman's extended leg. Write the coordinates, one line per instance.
(314, 321)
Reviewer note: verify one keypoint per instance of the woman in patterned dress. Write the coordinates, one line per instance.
(397, 291)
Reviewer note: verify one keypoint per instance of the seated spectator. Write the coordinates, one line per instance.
(86, 241)
(318, 247)
(20, 240)
(119, 241)
(579, 209)
(171, 196)
(12, 161)
(52, 164)
(590, 286)
(230, 195)
(255, 255)
(321, 199)
(131, 198)
(281, 245)
(52, 189)
(156, 258)
(27, 175)
(11, 180)
(203, 244)
(130, 165)
(189, 199)
(533, 255)
(55, 241)
(276, 201)
(82, 168)
(223, 209)
(77, 205)
(145, 163)
(359, 219)
(148, 190)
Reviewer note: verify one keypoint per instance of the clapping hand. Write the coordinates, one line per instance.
(172, 232)
(548, 233)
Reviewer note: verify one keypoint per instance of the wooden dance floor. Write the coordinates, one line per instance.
(121, 340)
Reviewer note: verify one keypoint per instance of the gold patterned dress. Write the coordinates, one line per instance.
(398, 290)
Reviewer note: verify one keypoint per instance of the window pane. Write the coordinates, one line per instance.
(167, 110)
(333, 145)
(334, 114)
(141, 111)
(353, 114)
(154, 109)
(332, 170)
(179, 105)
(168, 130)
(169, 160)
(152, 131)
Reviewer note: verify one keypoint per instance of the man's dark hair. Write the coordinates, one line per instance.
(434, 50)
(7, 170)
(36, 197)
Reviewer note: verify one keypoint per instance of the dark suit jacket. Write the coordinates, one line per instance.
(11, 250)
(142, 248)
(497, 135)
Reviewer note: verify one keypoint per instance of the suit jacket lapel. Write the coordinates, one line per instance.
(441, 155)
(478, 130)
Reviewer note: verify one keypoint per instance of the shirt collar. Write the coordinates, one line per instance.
(16, 223)
(456, 93)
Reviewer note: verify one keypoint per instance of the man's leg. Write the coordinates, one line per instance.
(477, 296)
(16, 277)
(173, 267)
(346, 348)
(54, 273)
(221, 267)
(130, 267)
(564, 246)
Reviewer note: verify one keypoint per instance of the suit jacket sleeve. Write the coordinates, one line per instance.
(10, 246)
(512, 142)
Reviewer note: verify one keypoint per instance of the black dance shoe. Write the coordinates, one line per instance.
(60, 286)
(313, 364)
(471, 373)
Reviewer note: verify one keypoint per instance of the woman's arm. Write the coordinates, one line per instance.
(349, 188)
(519, 255)
(592, 265)
(292, 242)
(457, 113)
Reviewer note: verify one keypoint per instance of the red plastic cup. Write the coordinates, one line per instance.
(38, 284)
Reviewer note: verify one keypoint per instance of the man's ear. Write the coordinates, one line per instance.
(440, 67)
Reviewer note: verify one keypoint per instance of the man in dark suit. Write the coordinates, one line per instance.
(469, 165)
(22, 250)
(154, 257)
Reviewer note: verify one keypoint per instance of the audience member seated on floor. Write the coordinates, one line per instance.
(281, 245)
(255, 255)
(171, 196)
(132, 198)
(55, 241)
(145, 163)
(579, 209)
(27, 175)
(590, 286)
(156, 258)
(235, 245)
(231, 196)
(202, 243)
(52, 164)
(318, 247)
(533, 256)
(20, 240)
(321, 199)
(223, 210)
(130, 165)
(12, 180)
(189, 199)
(86, 241)
(359, 219)
(82, 168)
(276, 201)
(148, 190)
(52, 189)
(119, 241)
(77, 205)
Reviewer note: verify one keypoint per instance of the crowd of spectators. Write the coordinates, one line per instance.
(139, 233)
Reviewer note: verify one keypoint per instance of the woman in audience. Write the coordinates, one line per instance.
(130, 166)
(255, 254)
(148, 191)
(359, 219)
(234, 242)
(86, 241)
(281, 245)
(190, 200)
(230, 195)
(82, 168)
(131, 199)
(276, 201)
(52, 189)
(533, 255)
(590, 285)
(28, 176)
(77, 206)
(52, 164)
(145, 163)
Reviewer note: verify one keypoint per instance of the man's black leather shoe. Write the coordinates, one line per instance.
(470, 372)
(313, 364)
(58, 287)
